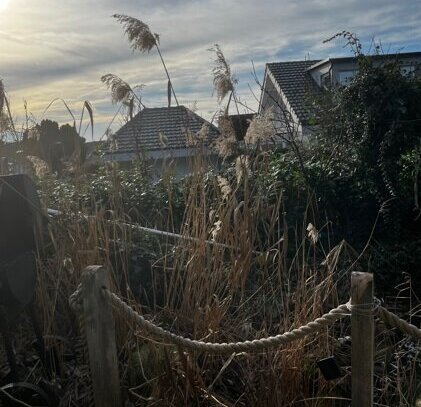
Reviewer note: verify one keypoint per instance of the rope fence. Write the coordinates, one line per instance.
(96, 300)
(255, 345)
(232, 347)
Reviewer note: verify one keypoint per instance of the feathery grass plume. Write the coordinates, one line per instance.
(194, 139)
(191, 139)
(226, 144)
(313, 234)
(216, 228)
(242, 167)
(142, 39)
(121, 91)
(203, 133)
(39, 166)
(139, 34)
(224, 186)
(111, 140)
(223, 80)
(261, 128)
(163, 140)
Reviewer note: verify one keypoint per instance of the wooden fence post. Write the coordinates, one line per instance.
(362, 334)
(100, 336)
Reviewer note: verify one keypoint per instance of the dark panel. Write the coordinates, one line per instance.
(20, 232)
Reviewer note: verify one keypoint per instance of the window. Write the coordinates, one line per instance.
(407, 70)
(345, 77)
(325, 80)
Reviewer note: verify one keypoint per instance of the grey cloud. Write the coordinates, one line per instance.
(77, 41)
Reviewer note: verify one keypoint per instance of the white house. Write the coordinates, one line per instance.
(288, 87)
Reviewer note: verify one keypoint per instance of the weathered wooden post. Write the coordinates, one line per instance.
(100, 335)
(362, 334)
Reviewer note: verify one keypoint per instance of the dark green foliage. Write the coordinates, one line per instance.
(358, 173)
(54, 144)
(363, 165)
(367, 143)
(130, 193)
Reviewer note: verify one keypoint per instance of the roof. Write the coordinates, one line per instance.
(161, 128)
(294, 78)
(398, 56)
(295, 82)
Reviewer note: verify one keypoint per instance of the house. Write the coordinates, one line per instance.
(167, 136)
(240, 123)
(288, 87)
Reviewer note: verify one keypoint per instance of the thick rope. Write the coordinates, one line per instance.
(76, 298)
(257, 344)
(246, 346)
(393, 320)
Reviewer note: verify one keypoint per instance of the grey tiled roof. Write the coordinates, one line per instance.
(161, 128)
(296, 84)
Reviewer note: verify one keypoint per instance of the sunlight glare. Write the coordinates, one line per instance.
(3, 4)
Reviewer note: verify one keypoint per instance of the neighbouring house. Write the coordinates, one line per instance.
(289, 86)
(167, 137)
(240, 123)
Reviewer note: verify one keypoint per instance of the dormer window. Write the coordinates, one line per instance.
(407, 70)
(345, 77)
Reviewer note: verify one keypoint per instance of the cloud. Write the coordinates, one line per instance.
(60, 49)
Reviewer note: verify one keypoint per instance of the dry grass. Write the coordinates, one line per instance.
(268, 278)
(252, 290)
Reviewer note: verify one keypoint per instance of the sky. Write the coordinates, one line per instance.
(60, 48)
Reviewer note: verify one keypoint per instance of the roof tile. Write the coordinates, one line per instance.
(296, 84)
(145, 129)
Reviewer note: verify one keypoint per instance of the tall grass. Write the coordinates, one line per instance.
(266, 277)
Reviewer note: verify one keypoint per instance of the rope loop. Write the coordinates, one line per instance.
(371, 308)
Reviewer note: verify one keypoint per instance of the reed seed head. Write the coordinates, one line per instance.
(223, 80)
(139, 34)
